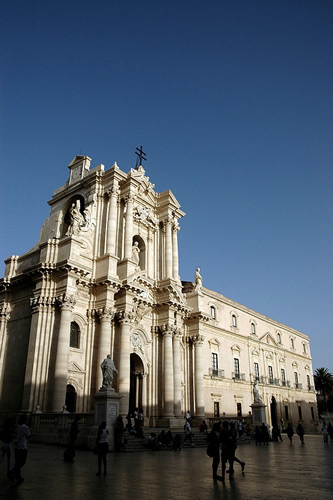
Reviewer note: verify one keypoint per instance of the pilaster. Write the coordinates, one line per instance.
(198, 373)
(125, 319)
(66, 303)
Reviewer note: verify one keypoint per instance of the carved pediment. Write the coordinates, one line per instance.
(75, 367)
(214, 343)
(269, 339)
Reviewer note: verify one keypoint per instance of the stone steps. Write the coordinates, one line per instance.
(136, 444)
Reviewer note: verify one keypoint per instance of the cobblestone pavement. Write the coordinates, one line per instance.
(274, 472)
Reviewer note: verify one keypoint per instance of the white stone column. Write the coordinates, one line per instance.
(125, 320)
(104, 348)
(112, 221)
(168, 249)
(149, 254)
(129, 228)
(198, 363)
(168, 388)
(4, 317)
(144, 394)
(175, 265)
(66, 303)
(37, 305)
(177, 375)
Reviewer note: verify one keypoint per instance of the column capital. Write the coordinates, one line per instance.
(5, 310)
(129, 198)
(38, 302)
(125, 317)
(167, 329)
(66, 301)
(113, 191)
(177, 333)
(198, 340)
(105, 313)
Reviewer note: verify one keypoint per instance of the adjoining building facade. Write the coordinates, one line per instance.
(104, 279)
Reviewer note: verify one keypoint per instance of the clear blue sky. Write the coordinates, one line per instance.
(232, 102)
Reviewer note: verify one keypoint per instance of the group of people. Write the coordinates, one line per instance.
(222, 442)
(164, 440)
(135, 422)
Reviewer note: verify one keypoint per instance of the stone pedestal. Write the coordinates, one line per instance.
(127, 268)
(258, 413)
(106, 408)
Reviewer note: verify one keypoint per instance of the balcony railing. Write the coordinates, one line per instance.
(311, 387)
(238, 376)
(260, 379)
(213, 372)
(298, 386)
(285, 383)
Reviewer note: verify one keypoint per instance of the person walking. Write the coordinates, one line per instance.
(118, 433)
(188, 432)
(233, 431)
(227, 450)
(213, 449)
(324, 430)
(21, 449)
(290, 433)
(102, 447)
(300, 432)
(6, 438)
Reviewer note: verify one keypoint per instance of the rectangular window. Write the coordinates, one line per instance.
(256, 371)
(300, 412)
(216, 409)
(236, 366)
(239, 409)
(270, 374)
(283, 376)
(215, 361)
(296, 379)
(286, 413)
(308, 381)
(312, 413)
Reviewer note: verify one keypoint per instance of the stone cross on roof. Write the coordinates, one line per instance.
(141, 156)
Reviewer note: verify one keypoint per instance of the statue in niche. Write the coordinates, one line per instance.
(136, 253)
(256, 393)
(108, 368)
(77, 219)
(197, 279)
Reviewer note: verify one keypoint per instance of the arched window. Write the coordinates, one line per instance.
(213, 312)
(253, 328)
(234, 320)
(279, 337)
(74, 336)
(292, 343)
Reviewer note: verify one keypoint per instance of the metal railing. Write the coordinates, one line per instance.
(213, 372)
(238, 376)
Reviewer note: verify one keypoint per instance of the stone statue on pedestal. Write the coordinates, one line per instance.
(197, 279)
(108, 368)
(256, 393)
(135, 253)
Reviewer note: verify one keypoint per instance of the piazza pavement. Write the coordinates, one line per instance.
(279, 471)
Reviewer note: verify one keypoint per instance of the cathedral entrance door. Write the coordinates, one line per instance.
(71, 398)
(273, 412)
(136, 376)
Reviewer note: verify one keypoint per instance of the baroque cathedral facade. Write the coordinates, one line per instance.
(104, 279)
